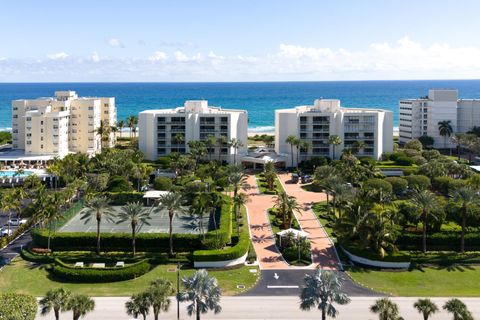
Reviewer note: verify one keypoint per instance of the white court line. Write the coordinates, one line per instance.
(283, 287)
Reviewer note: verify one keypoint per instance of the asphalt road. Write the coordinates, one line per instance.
(271, 307)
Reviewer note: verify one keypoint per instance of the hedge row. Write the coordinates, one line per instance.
(86, 241)
(222, 236)
(439, 241)
(94, 275)
(122, 198)
(235, 252)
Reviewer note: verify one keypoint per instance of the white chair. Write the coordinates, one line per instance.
(98, 265)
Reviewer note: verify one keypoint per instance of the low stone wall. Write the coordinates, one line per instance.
(221, 264)
(376, 263)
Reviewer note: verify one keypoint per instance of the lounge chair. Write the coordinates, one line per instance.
(120, 264)
(78, 264)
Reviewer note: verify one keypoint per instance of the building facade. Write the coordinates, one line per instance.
(163, 131)
(315, 124)
(62, 124)
(420, 117)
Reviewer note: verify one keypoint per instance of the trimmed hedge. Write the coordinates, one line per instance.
(441, 241)
(223, 235)
(95, 275)
(162, 183)
(235, 252)
(122, 198)
(86, 241)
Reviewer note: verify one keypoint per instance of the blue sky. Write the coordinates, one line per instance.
(238, 40)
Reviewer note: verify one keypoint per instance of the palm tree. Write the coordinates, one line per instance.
(103, 131)
(445, 129)
(204, 293)
(238, 179)
(286, 205)
(238, 201)
(235, 144)
(426, 307)
(97, 208)
(201, 205)
(80, 305)
(322, 290)
(177, 140)
(210, 142)
(134, 213)
(458, 309)
(292, 141)
(466, 196)
(221, 141)
(334, 141)
(120, 126)
(304, 147)
(426, 202)
(358, 146)
(132, 122)
(56, 300)
(197, 151)
(386, 309)
(48, 211)
(158, 295)
(138, 304)
(173, 203)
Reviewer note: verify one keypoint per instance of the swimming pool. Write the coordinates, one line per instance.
(12, 173)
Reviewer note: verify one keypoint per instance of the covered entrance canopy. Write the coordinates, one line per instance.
(261, 156)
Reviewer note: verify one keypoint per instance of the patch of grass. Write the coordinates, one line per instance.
(456, 281)
(263, 187)
(320, 209)
(22, 277)
(312, 187)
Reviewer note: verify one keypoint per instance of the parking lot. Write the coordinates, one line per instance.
(159, 223)
(4, 223)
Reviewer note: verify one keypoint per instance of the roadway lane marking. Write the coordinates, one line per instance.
(283, 287)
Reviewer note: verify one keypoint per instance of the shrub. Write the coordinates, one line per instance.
(95, 275)
(414, 144)
(367, 161)
(426, 141)
(409, 171)
(377, 184)
(219, 238)
(418, 182)
(404, 161)
(162, 183)
(164, 162)
(419, 160)
(412, 153)
(431, 154)
(237, 251)
(440, 241)
(16, 306)
(122, 198)
(394, 156)
(399, 185)
(119, 184)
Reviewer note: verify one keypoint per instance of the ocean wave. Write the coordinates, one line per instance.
(262, 129)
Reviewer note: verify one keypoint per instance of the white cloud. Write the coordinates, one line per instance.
(402, 59)
(115, 43)
(158, 56)
(95, 57)
(57, 56)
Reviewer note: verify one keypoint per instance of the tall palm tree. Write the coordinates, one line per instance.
(358, 146)
(458, 309)
(210, 142)
(304, 147)
(103, 131)
(97, 208)
(426, 307)
(158, 294)
(334, 141)
(56, 300)
(177, 140)
(134, 213)
(120, 126)
(80, 305)
(221, 142)
(286, 206)
(238, 179)
(48, 211)
(466, 197)
(201, 206)
(132, 122)
(197, 150)
(235, 144)
(138, 304)
(386, 309)
(173, 203)
(292, 141)
(322, 290)
(445, 129)
(203, 292)
(426, 203)
(238, 201)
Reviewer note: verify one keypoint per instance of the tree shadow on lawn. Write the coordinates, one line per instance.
(457, 267)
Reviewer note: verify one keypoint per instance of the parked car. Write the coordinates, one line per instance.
(4, 232)
(294, 178)
(306, 179)
(17, 222)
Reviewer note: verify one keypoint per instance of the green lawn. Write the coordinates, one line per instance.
(21, 277)
(458, 281)
(262, 185)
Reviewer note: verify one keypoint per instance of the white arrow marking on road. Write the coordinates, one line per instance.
(275, 275)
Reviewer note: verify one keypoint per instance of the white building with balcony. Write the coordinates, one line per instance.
(62, 124)
(420, 117)
(163, 131)
(315, 124)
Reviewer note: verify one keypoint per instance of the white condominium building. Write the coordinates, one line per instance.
(421, 117)
(62, 124)
(325, 118)
(164, 131)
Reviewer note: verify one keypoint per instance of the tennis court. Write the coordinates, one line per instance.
(182, 223)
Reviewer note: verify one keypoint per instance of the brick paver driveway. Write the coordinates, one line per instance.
(323, 251)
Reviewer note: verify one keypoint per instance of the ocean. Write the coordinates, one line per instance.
(259, 98)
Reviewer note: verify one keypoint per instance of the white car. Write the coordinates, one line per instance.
(17, 222)
(5, 232)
